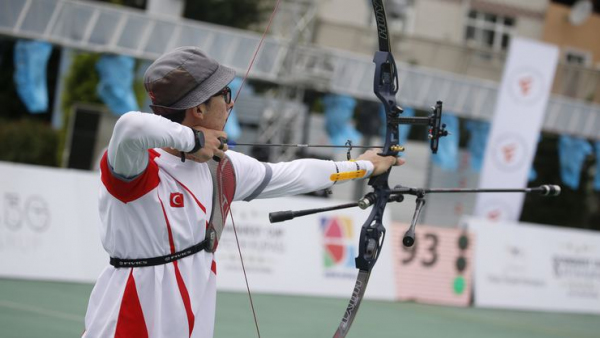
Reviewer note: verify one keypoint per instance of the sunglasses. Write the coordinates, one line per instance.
(226, 93)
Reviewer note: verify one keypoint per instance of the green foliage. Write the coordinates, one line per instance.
(28, 141)
(233, 13)
(80, 86)
(81, 81)
(138, 86)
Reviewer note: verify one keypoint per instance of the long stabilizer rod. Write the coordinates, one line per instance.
(280, 216)
(544, 190)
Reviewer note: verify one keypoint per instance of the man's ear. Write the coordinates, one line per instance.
(198, 112)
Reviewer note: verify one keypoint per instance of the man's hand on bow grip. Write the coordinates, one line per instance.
(213, 145)
(381, 163)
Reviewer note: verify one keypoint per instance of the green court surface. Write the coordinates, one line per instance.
(52, 309)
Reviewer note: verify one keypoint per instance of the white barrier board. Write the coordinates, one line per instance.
(49, 224)
(49, 230)
(526, 266)
(309, 255)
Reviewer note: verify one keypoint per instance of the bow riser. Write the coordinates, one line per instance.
(385, 88)
(372, 234)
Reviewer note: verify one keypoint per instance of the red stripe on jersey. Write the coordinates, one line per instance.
(171, 241)
(185, 297)
(131, 321)
(213, 267)
(134, 189)
(193, 196)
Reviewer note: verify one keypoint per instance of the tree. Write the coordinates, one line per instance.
(234, 13)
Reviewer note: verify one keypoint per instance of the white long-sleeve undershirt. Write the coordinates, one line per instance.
(137, 132)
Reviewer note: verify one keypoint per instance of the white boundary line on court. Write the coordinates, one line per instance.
(40, 311)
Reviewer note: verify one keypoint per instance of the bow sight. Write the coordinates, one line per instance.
(385, 87)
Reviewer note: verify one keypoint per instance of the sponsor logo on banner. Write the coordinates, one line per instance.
(263, 246)
(31, 211)
(497, 209)
(526, 85)
(577, 267)
(527, 266)
(339, 246)
(23, 222)
(509, 152)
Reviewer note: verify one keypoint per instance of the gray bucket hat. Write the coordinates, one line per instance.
(184, 78)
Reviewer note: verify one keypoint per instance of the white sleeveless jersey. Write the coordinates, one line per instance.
(163, 210)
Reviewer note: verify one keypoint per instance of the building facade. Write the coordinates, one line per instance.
(469, 37)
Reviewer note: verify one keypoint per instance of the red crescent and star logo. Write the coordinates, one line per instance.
(176, 200)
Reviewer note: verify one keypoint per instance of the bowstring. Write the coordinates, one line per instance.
(262, 39)
(237, 241)
(245, 276)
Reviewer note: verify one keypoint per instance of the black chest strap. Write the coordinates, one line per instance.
(223, 177)
(142, 262)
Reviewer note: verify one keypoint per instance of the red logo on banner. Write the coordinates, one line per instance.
(525, 85)
(176, 200)
(494, 215)
(509, 152)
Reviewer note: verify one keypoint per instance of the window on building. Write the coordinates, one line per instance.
(489, 30)
(577, 57)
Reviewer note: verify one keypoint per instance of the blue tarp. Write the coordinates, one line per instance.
(115, 88)
(339, 110)
(31, 60)
(447, 155)
(232, 128)
(572, 152)
(479, 131)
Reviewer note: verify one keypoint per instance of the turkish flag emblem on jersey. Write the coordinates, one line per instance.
(176, 200)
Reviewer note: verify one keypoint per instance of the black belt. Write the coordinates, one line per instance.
(141, 262)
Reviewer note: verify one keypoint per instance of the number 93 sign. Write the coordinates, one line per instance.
(437, 268)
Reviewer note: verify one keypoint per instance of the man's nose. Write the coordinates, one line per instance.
(229, 107)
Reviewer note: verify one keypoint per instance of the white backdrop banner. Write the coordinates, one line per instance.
(49, 229)
(49, 224)
(534, 267)
(309, 255)
(524, 92)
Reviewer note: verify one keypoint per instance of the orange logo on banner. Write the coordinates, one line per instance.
(509, 152)
(494, 214)
(525, 85)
